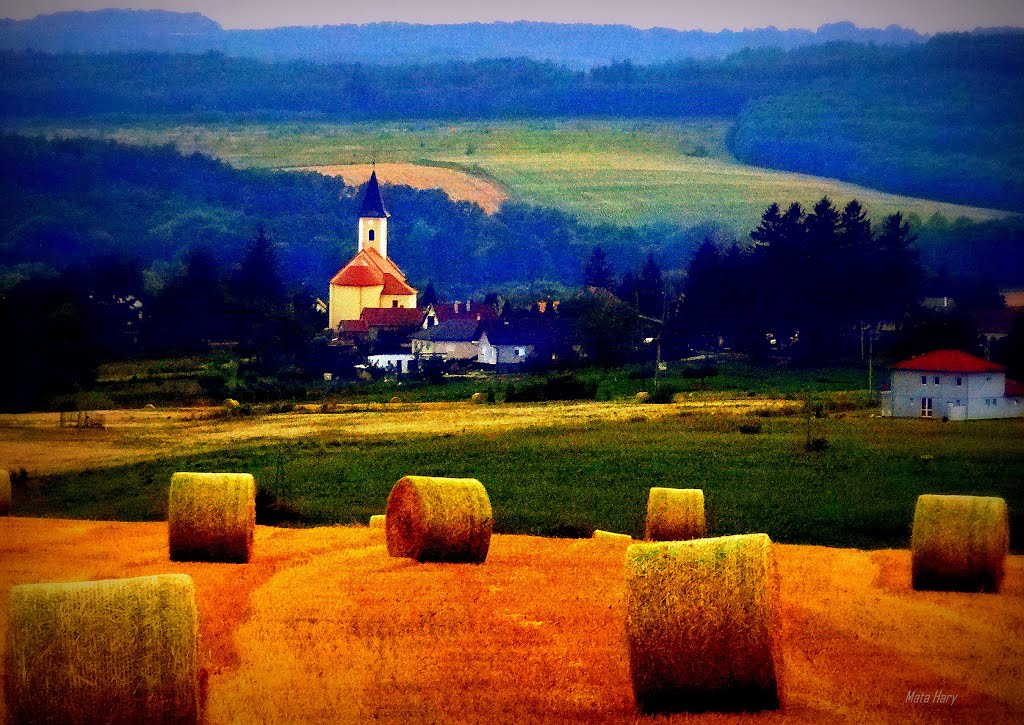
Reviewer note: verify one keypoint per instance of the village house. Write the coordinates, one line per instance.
(515, 343)
(457, 339)
(370, 280)
(951, 384)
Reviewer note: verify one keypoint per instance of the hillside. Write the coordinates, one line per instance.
(626, 173)
(322, 624)
(577, 45)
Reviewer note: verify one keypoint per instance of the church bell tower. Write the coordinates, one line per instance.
(373, 220)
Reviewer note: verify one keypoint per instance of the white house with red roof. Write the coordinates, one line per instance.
(953, 384)
(370, 280)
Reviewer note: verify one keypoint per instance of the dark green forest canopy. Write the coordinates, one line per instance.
(942, 119)
(72, 200)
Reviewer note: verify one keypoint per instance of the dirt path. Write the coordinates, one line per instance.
(324, 626)
(458, 185)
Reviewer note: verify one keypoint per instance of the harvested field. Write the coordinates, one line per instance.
(35, 442)
(323, 625)
(458, 185)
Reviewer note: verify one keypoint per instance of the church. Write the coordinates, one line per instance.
(370, 280)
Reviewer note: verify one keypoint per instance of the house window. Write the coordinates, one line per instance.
(370, 235)
(924, 380)
(926, 407)
(959, 383)
(394, 303)
(936, 379)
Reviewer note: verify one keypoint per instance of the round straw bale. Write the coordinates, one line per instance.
(478, 398)
(114, 651)
(611, 536)
(959, 543)
(396, 399)
(5, 492)
(377, 522)
(700, 621)
(212, 517)
(230, 403)
(439, 519)
(642, 397)
(675, 514)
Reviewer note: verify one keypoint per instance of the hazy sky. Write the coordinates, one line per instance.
(924, 15)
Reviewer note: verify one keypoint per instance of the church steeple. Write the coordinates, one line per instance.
(373, 219)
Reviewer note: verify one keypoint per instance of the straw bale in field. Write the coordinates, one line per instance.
(439, 519)
(5, 492)
(377, 522)
(959, 543)
(231, 403)
(478, 398)
(396, 399)
(675, 514)
(642, 397)
(114, 651)
(611, 536)
(701, 618)
(212, 517)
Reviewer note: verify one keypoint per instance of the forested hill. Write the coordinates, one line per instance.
(940, 120)
(67, 202)
(575, 45)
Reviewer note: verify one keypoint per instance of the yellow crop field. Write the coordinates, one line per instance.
(322, 625)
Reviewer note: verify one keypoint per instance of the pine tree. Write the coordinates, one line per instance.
(598, 273)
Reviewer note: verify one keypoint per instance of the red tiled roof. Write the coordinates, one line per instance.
(369, 269)
(1014, 389)
(391, 316)
(477, 311)
(395, 286)
(948, 361)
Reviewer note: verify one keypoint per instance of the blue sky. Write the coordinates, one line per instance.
(713, 15)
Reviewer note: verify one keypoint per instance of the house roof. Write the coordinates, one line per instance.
(391, 316)
(451, 331)
(948, 361)
(458, 311)
(353, 326)
(526, 332)
(1014, 389)
(373, 205)
(369, 269)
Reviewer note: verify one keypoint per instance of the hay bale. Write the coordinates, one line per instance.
(439, 519)
(377, 522)
(611, 536)
(675, 514)
(230, 403)
(642, 397)
(700, 621)
(5, 492)
(478, 398)
(150, 406)
(959, 543)
(114, 651)
(212, 517)
(396, 399)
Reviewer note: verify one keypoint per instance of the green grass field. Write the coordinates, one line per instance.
(622, 172)
(569, 480)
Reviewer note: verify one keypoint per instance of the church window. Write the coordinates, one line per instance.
(371, 235)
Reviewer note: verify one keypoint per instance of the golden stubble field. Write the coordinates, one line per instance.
(323, 625)
(36, 442)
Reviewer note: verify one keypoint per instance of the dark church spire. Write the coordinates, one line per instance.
(373, 205)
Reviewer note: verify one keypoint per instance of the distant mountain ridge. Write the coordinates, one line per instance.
(576, 45)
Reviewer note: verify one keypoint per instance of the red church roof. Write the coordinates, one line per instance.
(369, 269)
(948, 361)
(1014, 389)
